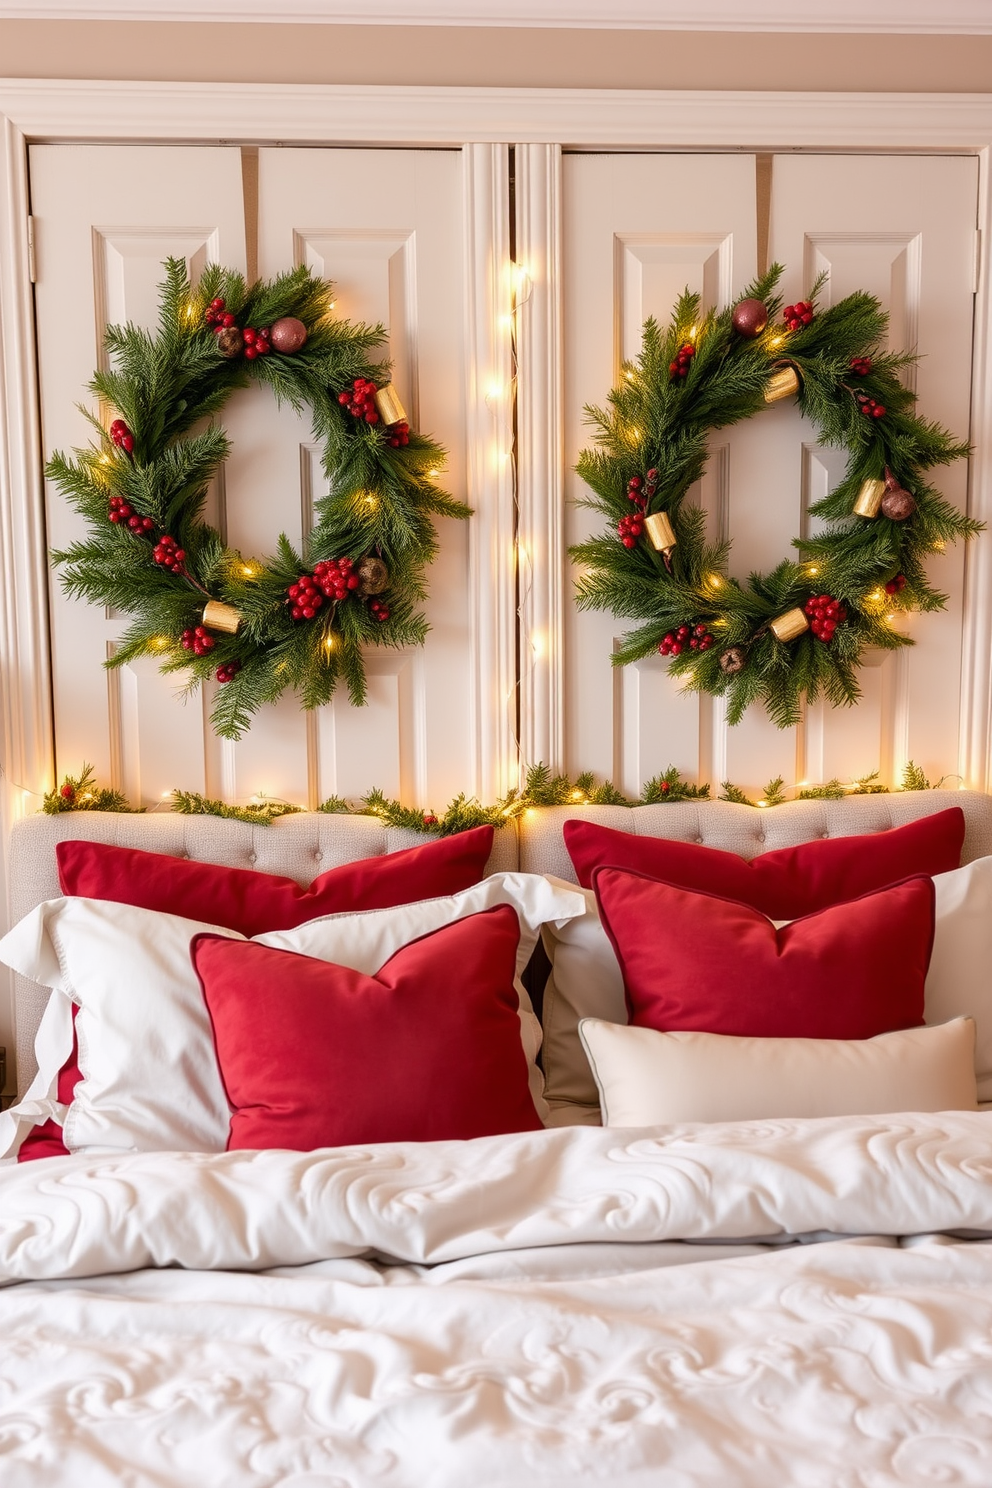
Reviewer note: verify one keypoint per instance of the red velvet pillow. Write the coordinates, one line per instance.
(317, 1055)
(693, 961)
(252, 903)
(784, 884)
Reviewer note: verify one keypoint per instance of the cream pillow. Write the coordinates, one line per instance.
(646, 1078)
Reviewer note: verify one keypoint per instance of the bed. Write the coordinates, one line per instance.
(792, 1300)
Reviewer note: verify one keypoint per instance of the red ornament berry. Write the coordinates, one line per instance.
(67, 792)
(198, 640)
(168, 553)
(360, 400)
(896, 584)
(798, 315)
(665, 787)
(228, 671)
(861, 366)
(430, 820)
(630, 528)
(825, 614)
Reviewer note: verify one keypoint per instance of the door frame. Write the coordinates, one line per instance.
(539, 123)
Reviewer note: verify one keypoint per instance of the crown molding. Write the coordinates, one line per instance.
(321, 113)
(957, 17)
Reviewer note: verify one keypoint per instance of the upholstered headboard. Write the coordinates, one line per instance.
(301, 846)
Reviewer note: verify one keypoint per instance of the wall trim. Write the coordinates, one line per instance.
(321, 113)
(969, 17)
(452, 117)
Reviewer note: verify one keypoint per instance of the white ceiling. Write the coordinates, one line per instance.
(955, 17)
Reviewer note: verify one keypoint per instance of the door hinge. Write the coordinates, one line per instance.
(977, 272)
(32, 262)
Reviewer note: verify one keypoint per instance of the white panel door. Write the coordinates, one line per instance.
(636, 230)
(387, 227)
(902, 228)
(105, 219)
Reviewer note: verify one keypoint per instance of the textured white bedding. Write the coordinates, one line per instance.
(507, 1311)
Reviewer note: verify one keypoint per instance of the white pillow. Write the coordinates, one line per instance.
(150, 1077)
(646, 1078)
(585, 982)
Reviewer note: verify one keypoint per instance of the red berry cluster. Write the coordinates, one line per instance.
(335, 577)
(121, 435)
(861, 366)
(360, 400)
(399, 434)
(798, 315)
(430, 820)
(228, 671)
(630, 529)
(122, 511)
(379, 610)
(869, 407)
(304, 598)
(695, 637)
(217, 316)
(683, 361)
(639, 491)
(825, 614)
(256, 342)
(199, 641)
(168, 553)
(896, 585)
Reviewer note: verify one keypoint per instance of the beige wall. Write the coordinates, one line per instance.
(493, 57)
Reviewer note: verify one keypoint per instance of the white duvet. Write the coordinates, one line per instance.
(509, 1311)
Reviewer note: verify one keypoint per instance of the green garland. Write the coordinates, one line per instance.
(801, 631)
(541, 789)
(142, 485)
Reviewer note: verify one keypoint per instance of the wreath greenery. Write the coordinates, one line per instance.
(257, 626)
(800, 631)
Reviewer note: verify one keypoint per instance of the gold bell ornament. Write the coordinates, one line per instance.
(387, 401)
(789, 625)
(220, 616)
(782, 384)
(869, 498)
(661, 535)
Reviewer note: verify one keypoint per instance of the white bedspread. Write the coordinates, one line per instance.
(507, 1312)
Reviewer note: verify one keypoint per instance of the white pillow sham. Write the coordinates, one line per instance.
(646, 1078)
(150, 1080)
(585, 982)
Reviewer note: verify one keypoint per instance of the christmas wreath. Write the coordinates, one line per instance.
(256, 626)
(800, 631)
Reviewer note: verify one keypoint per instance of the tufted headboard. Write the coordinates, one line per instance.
(301, 846)
(748, 832)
